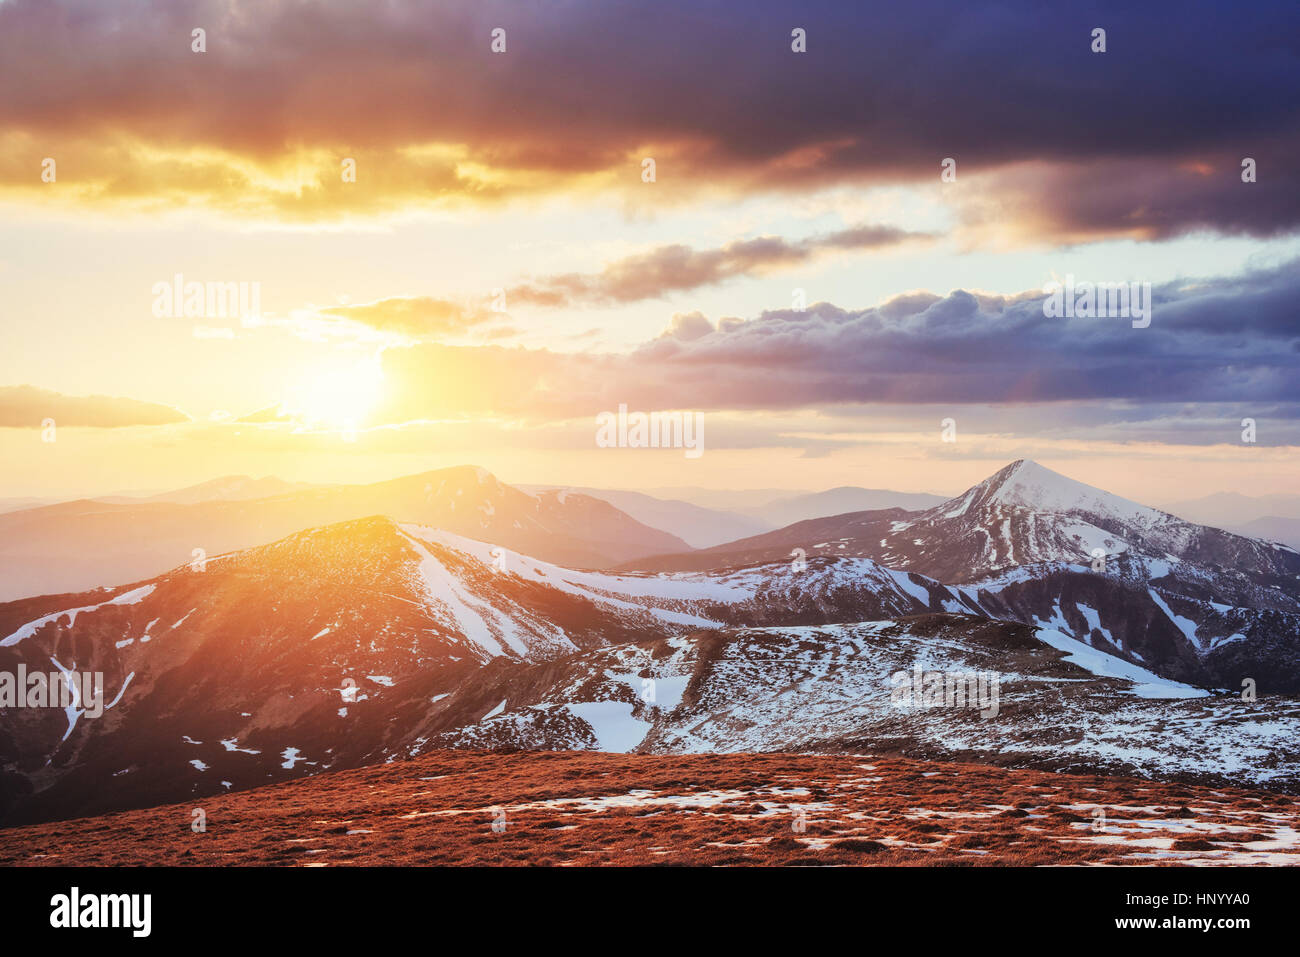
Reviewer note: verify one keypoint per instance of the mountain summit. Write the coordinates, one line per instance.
(1026, 484)
(1023, 514)
(1028, 544)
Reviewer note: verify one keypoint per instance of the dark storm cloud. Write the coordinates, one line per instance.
(1145, 139)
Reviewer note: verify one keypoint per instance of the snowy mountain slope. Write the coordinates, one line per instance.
(1061, 704)
(1195, 603)
(314, 651)
(812, 592)
(1178, 623)
(353, 643)
(1023, 514)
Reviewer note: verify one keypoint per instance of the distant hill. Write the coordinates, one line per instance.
(228, 488)
(837, 501)
(84, 544)
(1233, 510)
(1274, 528)
(699, 527)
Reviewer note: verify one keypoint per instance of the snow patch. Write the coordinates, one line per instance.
(132, 597)
(1146, 684)
(612, 724)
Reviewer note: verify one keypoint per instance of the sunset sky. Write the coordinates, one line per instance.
(515, 178)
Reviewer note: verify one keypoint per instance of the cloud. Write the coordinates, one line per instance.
(688, 326)
(1226, 341)
(266, 414)
(25, 406)
(1141, 198)
(1144, 139)
(418, 317)
(648, 275)
(676, 267)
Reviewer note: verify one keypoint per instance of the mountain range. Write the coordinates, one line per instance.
(73, 546)
(1121, 637)
(696, 525)
(227, 488)
(1193, 602)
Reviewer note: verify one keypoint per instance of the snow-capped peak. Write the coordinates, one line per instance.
(1027, 484)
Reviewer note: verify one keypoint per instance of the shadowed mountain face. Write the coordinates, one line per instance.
(79, 545)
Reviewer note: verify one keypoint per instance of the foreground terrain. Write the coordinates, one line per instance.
(569, 808)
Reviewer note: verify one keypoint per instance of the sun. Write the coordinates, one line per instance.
(336, 394)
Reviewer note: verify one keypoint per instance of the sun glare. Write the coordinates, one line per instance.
(336, 394)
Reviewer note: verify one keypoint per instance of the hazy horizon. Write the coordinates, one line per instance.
(684, 493)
